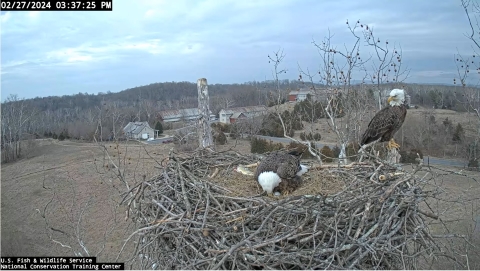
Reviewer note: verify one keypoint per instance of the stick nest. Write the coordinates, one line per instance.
(186, 219)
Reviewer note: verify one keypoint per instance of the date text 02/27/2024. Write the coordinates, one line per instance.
(56, 5)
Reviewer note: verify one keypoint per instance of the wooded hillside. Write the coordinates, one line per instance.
(81, 116)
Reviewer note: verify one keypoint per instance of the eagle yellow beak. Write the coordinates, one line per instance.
(389, 99)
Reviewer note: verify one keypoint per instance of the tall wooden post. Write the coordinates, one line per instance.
(204, 130)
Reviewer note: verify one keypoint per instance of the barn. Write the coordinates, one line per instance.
(175, 115)
(299, 95)
(231, 115)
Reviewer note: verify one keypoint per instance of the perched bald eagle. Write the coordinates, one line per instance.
(280, 168)
(387, 121)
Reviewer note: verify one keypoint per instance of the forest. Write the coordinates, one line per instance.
(103, 115)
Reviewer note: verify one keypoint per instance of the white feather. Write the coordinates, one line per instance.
(303, 170)
(269, 180)
(398, 96)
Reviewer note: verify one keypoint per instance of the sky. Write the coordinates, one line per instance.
(226, 41)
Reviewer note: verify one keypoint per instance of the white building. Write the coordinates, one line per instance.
(230, 115)
(299, 95)
(139, 130)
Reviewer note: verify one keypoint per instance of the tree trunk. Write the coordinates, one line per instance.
(203, 125)
(342, 157)
(393, 156)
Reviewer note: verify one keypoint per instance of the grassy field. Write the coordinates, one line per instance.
(79, 184)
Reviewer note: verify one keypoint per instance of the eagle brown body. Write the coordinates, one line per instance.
(285, 164)
(385, 124)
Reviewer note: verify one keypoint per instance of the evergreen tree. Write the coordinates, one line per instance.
(328, 154)
(61, 137)
(159, 127)
(458, 134)
(220, 138)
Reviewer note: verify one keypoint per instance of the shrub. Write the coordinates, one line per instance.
(311, 137)
(317, 137)
(473, 163)
(272, 126)
(459, 134)
(220, 138)
(259, 145)
(418, 151)
(336, 151)
(302, 147)
(159, 127)
(352, 151)
(328, 154)
(410, 156)
(233, 129)
(309, 109)
(219, 126)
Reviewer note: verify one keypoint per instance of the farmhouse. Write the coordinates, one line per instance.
(299, 95)
(139, 130)
(181, 114)
(230, 115)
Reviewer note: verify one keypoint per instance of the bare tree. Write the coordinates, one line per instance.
(227, 102)
(468, 68)
(116, 118)
(386, 63)
(276, 98)
(276, 60)
(149, 107)
(347, 103)
(15, 118)
(204, 130)
(250, 126)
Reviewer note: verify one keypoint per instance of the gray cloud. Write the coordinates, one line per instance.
(140, 42)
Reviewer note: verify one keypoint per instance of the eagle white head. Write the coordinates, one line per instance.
(397, 97)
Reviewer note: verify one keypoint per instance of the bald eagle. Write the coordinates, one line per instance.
(387, 121)
(280, 168)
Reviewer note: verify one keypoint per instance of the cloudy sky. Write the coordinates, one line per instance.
(227, 41)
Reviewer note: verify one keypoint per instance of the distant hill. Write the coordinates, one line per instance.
(83, 115)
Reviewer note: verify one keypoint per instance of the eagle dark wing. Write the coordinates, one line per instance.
(287, 170)
(289, 185)
(286, 165)
(384, 124)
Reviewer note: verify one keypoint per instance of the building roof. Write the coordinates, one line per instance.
(300, 92)
(179, 113)
(136, 127)
(245, 109)
(236, 115)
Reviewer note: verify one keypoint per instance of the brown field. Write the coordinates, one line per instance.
(83, 191)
